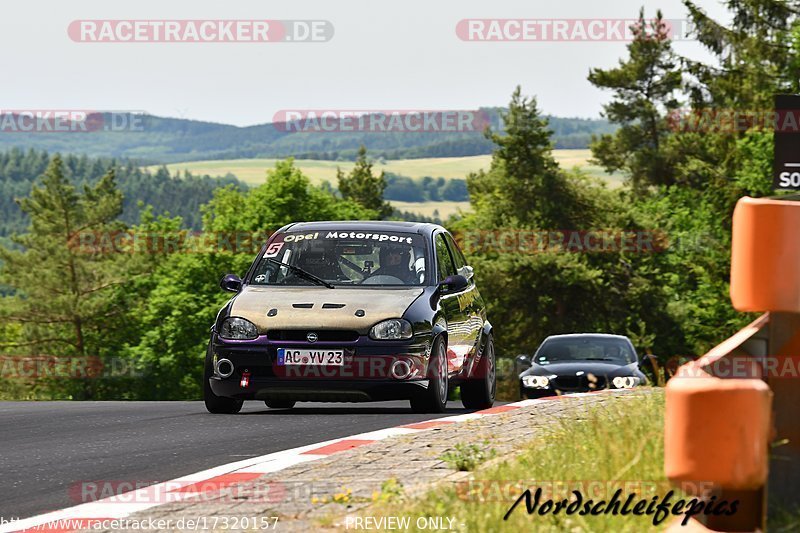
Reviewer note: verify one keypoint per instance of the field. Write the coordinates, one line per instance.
(252, 171)
(442, 210)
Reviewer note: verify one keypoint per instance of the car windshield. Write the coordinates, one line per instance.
(585, 349)
(343, 258)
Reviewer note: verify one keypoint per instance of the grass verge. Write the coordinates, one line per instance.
(618, 445)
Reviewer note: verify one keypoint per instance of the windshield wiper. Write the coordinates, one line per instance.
(600, 359)
(302, 273)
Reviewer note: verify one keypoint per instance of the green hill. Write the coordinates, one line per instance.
(154, 139)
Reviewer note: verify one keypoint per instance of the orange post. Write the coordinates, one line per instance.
(719, 424)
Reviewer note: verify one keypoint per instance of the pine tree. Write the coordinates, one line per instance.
(644, 88)
(364, 188)
(753, 55)
(524, 186)
(64, 290)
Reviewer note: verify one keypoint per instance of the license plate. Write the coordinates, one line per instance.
(310, 357)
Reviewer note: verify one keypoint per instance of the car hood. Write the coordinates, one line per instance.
(599, 368)
(321, 308)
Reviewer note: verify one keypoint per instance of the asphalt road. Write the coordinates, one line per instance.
(48, 447)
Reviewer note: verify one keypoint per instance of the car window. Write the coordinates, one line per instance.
(609, 349)
(443, 258)
(344, 258)
(458, 257)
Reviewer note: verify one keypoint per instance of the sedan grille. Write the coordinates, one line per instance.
(580, 383)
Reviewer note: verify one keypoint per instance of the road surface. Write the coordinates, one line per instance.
(48, 448)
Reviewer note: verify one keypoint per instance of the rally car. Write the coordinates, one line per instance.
(352, 312)
(580, 362)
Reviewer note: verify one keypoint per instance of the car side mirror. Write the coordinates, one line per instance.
(452, 284)
(522, 362)
(467, 271)
(231, 283)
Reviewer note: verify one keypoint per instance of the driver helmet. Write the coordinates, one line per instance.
(393, 249)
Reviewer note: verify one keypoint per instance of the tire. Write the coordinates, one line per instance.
(479, 393)
(434, 398)
(217, 405)
(279, 404)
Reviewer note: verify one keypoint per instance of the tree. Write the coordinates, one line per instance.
(524, 186)
(364, 188)
(65, 290)
(644, 88)
(754, 56)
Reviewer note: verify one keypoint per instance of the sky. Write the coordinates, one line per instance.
(381, 56)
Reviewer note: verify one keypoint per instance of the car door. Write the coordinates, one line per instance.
(452, 306)
(469, 300)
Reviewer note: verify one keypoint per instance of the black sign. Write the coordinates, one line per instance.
(786, 167)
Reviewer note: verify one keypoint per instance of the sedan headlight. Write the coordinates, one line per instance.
(394, 329)
(536, 382)
(625, 382)
(238, 329)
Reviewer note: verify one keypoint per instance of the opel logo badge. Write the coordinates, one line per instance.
(311, 337)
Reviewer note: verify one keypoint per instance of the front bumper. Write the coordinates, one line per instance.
(370, 371)
(317, 390)
(555, 388)
(533, 393)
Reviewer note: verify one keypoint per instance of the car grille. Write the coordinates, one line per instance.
(323, 335)
(583, 383)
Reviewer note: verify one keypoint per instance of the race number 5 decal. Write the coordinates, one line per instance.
(273, 249)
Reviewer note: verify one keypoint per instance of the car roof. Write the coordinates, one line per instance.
(422, 228)
(587, 335)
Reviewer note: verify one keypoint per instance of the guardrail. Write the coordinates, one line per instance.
(732, 419)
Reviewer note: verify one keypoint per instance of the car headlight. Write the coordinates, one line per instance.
(393, 329)
(625, 382)
(238, 329)
(536, 382)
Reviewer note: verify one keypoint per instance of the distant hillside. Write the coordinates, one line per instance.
(183, 196)
(167, 140)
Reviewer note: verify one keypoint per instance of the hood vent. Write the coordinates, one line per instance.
(303, 306)
(332, 306)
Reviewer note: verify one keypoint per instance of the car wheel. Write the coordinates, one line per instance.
(217, 404)
(279, 404)
(479, 393)
(434, 399)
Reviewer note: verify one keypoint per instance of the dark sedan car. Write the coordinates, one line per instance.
(580, 362)
(352, 311)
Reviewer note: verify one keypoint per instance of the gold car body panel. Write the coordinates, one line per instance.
(321, 308)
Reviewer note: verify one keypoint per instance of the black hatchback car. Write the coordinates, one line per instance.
(351, 312)
(581, 362)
